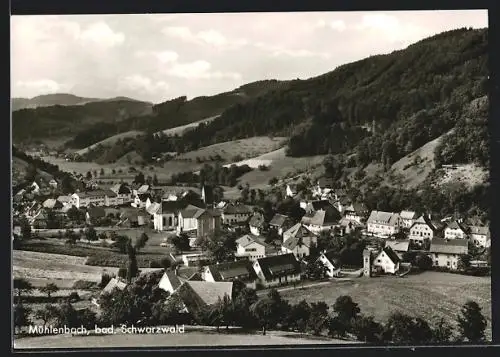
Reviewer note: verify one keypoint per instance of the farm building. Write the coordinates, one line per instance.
(383, 224)
(423, 229)
(236, 214)
(331, 262)
(277, 270)
(456, 230)
(240, 270)
(387, 260)
(252, 247)
(480, 236)
(196, 295)
(280, 223)
(446, 252)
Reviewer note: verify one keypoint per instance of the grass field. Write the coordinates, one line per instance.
(187, 339)
(429, 294)
(111, 140)
(179, 130)
(246, 148)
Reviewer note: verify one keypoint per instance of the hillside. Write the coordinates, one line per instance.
(49, 100)
(92, 122)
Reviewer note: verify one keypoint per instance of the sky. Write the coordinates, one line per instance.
(157, 57)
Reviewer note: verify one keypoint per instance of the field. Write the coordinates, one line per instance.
(189, 338)
(111, 140)
(179, 130)
(429, 294)
(245, 148)
(470, 174)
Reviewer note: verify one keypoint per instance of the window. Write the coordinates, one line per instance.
(448, 263)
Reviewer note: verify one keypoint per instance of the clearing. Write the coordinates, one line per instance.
(430, 295)
(246, 148)
(179, 130)
(470, 174)
(111, 140)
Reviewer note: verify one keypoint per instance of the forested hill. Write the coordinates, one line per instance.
(93, 122)
(382, 107)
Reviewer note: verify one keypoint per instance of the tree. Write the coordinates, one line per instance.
(31, 173)
(25, 228)
(316, 270)
(22, 286)
(67, 316)
(222, 312)
(48, 313)
(442, 331)
(244, 194)
(366, 329)
(88, 176)
(269, 310)
(464, 261)
(141, 241)
(139, 179)
(165, 263)
(21, 316)
(49, 289)
(405, 329)
(181, 242)
(318, 317)
(155, 180)
(471, 322)
(132, 268)
(91, 234)
(299, 316)
(345, 308)
(101, 173)
(423, 261)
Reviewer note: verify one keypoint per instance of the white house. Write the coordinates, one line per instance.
(280, 223)
(97, 198)
(123, 192)
(193, 259)
(398, 246)
(169, 282)
(423, 229)
(455, 230)
(277, 270)
(446, 252)
(252, 247)
(383, 224)
(355, 212)
(407, 218)
(322, 220)
(331, 262)
(256, 224)
(198, 221)
(480, 236)
(240, 270)
(387, 260)
(291, 190)
(167, 215)
(236, 214)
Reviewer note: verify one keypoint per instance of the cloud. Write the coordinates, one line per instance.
(101, 34)
(338, 25)
(209, 37)
(199, 70)
(137, 82)
(391, 28)
(276, 51)
(41, 86)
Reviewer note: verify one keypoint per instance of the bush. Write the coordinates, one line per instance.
(155, 264)
(273, 181)
(105, 278)
(73, 297)
(122, 273)
(84, 285)
(263, 168)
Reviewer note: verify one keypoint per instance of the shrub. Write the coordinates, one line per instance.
(105, 278)
(73, 297)
(155, 264)
(122, 273)
(263, 168)
(84, 285)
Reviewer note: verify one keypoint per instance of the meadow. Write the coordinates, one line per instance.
(430, 295)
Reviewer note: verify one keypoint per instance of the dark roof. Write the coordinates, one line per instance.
(391, 254)
(325, 182)
(329, 216)
(195, 277)
(292, 242)
(279, 220)
(457, 225)
(427, 221)
(240, 270)
(358, 208)
(449, 246)
(95, 193)
(172, 278)
(144, 196)
(333, 257)
(279, 265)
(297, 231)
(237, 209)
(257, 220)
(209, 194)
(320, 204)
(173, 206)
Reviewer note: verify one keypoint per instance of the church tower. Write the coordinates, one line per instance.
(367, 263)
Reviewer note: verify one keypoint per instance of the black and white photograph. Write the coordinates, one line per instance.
(198, 180)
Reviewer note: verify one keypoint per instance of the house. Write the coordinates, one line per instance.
(53, 183)
(299, 231)
(455, 230)
(153, 208)
(317, 205)
(331, 261)
(387, 260)
(446, 252)
(342, 204)
(291, 190)
(94, 213)
(423, 229)
(355, 212)
(35, 188)
(96, 197)
(198, 222)
(398, 246)
(407, 218)
(142, 189)
(123, 192)
(480, 236)
(167, 214)
(277, 270)
(300, 246)
(196, 295)
(169, 282)
(240, 270)
(256, 224)
(142, 200)
(383, 224)
(64, 199)
(134, 217)
(280, 223)
(194, 259)
(252, 247)
(235, 214)
(52, 203)
(348, 225)
(207, 194)
(322, 220)
(113, 284)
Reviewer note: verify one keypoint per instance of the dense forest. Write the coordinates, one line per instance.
(215, 175)
(380, 108)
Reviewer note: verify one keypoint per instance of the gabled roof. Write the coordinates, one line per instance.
(198, 294)
(174, 280)
(398, 245)
(279, 265)
(319, 204)
(95, 193)
(391, 254)
(64, 199)
(449, 246)
(113, 284)
(346, 222)
(143, 189)
(174, 206)
(257, 220)
(425, 220)
(327, 217)
(333, 257)
(192, 212)
(279, 220)
(297, 231)
(121, 189)
(52, 203)
(67, 207)
(457, 225)
(356, 207)
(248, 239)
(407, 214)
(144, 197)
(240, 269)
(380, 217)
(153, 208)
(292, 242)
(237, 209)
